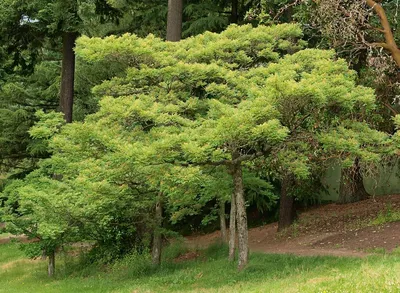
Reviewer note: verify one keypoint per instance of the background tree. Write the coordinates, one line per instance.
(43, 21)
(356, 30)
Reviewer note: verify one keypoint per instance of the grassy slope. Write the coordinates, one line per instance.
(210, 273)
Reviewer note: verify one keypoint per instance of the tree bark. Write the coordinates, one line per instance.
(243, 245)
(390, 42)
(351, 184)
(287, 212)
(174, 20)
(157, 241)
(222, 221)
(51, 268)
(68, 75)
(234, 11)
(232, 229)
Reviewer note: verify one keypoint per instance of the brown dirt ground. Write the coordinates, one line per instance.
(338, 230)
(23, 239)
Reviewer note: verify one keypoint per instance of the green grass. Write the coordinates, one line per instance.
(211, 272)
(5, 235)
(9, 252)
(377, 250)
(388, 216)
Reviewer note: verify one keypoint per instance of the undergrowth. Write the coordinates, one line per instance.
(387, 216)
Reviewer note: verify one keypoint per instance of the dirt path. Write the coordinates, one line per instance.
(338, 230)
(8, 239)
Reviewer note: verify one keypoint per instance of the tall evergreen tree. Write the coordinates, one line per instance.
(28, 27)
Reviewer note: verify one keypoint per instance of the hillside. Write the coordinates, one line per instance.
(355, 229)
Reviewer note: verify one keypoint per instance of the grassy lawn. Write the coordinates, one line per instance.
(211, 272)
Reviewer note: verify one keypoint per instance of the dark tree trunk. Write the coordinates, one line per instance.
(351, 184)
(174, 20)
(241, 216)
(234, 11)
(68, 75)
(232, 229)
(287, 212)
(222, 221)
(157, 241)
(51, 268)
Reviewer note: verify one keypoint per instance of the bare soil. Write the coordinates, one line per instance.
(333, 229)
(22, 239)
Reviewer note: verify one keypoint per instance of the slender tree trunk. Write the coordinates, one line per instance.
(222, 221)
(243, 245)
(351, 184)
(68, 75)
(174, 20)
(232, 229)
(157, 241)
(234, 11)
(287, 212)
(51, 268)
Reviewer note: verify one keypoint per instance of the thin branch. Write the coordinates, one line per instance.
(286, 7)
(391, 108)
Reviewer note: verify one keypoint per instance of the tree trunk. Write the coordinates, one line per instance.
(68, 75)
(51, 268)
(234, 11)
(287, 212)
(174, 20)
(241, 216)
(157, 241)
(222, 221)
(351, 184)
(232, 229)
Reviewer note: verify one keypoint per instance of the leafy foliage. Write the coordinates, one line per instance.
(172, 121)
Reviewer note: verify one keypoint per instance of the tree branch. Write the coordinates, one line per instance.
(390, 43)
(239, 159)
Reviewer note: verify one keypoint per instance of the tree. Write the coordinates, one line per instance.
(263, 43)
(292, 87)
(46, 22)
(21, 96)
(174, 34)
(355, 29)
(357, 25)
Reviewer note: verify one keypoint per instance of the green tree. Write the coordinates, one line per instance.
(293, 83)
